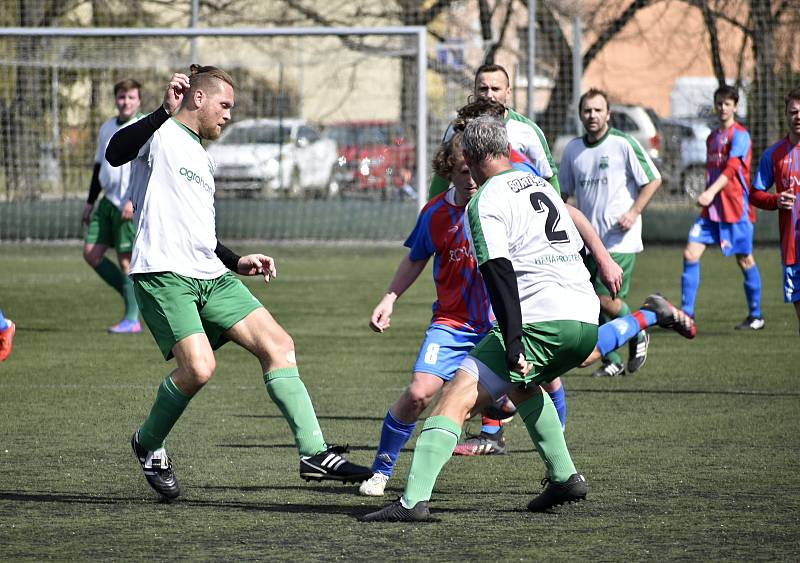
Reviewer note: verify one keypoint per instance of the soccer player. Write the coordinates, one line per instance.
(527, 249)
(779, 166)
(188, 298)
(612, 180)
(7, 330)
(492, 83)
(726, 218)
(110, 225)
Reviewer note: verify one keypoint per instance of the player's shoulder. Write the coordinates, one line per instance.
(435, 203)
(778, 149)
(514, 118)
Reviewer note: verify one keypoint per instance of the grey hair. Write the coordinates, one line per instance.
(485, 137)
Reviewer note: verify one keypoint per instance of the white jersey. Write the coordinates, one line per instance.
(518, 216)
(172, 188)
(526, 138)
(113, 179)
(605, 178)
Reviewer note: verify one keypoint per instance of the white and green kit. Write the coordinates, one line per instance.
(604, 178)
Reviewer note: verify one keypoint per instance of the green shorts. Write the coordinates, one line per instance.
(553, 347)
(107, 228)
(625, 261)
(174, 306)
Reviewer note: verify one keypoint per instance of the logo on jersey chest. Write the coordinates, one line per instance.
(603, 164)
(195, 178)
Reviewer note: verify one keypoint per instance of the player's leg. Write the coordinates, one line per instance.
(261, 335)
(791, 288)
(434, 447)
(613, 308)
(552, 348)
(741, 237)
(99, 238)
(124, 235)
(7, 330)
(440, 354)
(555, 389)
(655, 310)
(397, 428)
(169, 307)
(702, 233)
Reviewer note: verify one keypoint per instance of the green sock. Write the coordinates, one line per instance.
(170, 404)
(287, 390)
(129, 298)
(111, 274)
(541, 420)
(434, 447)
(613, 356)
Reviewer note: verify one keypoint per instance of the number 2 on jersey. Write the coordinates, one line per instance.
(539, 201)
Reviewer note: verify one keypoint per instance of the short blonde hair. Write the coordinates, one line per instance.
(206, 77)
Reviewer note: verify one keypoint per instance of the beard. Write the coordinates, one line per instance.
(210, 132)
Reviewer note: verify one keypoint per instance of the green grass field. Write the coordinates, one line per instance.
(693, 458)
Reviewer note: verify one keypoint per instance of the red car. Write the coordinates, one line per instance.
(373, 155)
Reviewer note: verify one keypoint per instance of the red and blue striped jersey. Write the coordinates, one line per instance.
(461, 298)
(730, 205)
(780, 166)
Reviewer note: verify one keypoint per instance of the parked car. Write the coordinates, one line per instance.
(637, 121)
(685, 154)
(374, 156)
(272, 156)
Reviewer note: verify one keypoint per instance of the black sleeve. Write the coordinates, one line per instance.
(227, 256)
(501, 283)
(94, 186)
(125, 144)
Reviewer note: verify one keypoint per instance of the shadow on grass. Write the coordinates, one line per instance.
(300, 508)
(743, 392)
(319, 417)
(350, 447)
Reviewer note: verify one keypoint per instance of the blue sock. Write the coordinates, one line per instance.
(394, 435)
(560, 403)
(614, 334)
(690, 281)
(752, 290)
(3, 322)
(491, 428)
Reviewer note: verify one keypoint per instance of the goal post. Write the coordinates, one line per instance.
(350, 101)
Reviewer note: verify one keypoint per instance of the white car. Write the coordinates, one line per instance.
(272, 156)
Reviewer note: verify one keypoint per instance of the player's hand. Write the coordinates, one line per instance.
(627, 219)
(705, 199)
(255, 264)
(522, 366)
(382, 314)
(127, 211)
(86, 216)
(610, 274)
(173, 97)
(786, 200)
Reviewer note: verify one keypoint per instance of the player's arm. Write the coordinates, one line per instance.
(609, 271)
(94, 192)
(759, 193)
(249, 265)
(554, 178)
(126, 143)
(647, 177)
(407, 273)
(501, 284)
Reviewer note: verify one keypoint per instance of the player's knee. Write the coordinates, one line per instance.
(92, 256)
(745, 261)
(691, 254)
(417, 397)
(201, 369)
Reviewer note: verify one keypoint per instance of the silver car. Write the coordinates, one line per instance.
(273, 157)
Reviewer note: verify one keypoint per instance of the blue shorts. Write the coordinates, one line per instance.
(443, 349)
(732, 238)
(791, 283)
